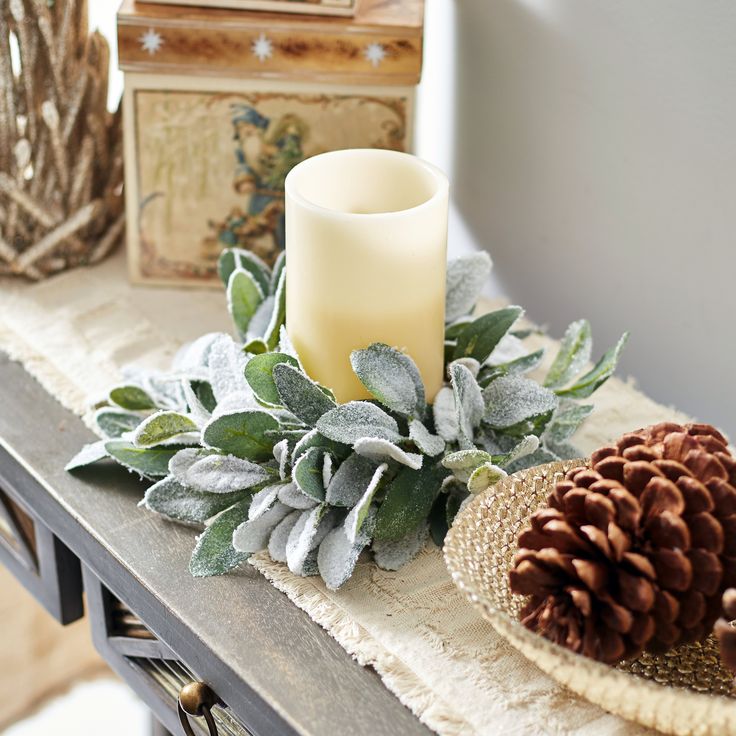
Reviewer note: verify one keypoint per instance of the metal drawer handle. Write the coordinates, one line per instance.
(197, 699)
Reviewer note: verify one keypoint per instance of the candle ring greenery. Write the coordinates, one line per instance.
(241, 441)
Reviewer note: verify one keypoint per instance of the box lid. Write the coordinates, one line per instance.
(381, 44)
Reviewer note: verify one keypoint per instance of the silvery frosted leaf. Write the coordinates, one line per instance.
(165, 390)
(392, 554)
(259, 374)
(326, 469)
(391, 377)
(150, 462)
(468, 403)
(573, 355)
(484, 477)
(563, 450)
(470, 363)
(598, 375)
(359, 513)
(300, 394)
(89, 454)
(236, 401)
(260, 320)
(307, 473)
(292, 496)
(162, 426)
(445, 414)
(430, 444)
(197, 410)
(232, 258)
(408, 501)
(278, 313)
(244, 295)
(280, 536)
(278, 267)
(181, 461)
(540, 457)
(480, 337)
(242, 434)
(464, 462)
(511, 400)
(252, 536)
(524, 364)
(350, 422)
(171, 499)
(220, 474)
(285, 344)
(130, 397)
(337, 555)
(565, 421)
(226, 365)
(453, 330)
(194, 355)
(314, 439)
(508, 349)
(379, 449)
(113, 422)
(306, 535)
(466, 277)
(214, 553)
(281, 455)
(350, 481)
(527, 446)
(263, 500)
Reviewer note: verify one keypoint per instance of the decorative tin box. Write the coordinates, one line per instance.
(311, 7)
(220, 104)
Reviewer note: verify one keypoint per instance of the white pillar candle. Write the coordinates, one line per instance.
(366, 244)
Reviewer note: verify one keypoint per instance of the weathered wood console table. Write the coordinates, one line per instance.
(271, 668)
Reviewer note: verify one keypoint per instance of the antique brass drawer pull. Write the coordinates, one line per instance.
(197, 699)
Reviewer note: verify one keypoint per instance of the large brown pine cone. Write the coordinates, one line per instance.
(634, 552)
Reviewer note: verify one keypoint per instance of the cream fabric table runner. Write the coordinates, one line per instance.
(75, 332)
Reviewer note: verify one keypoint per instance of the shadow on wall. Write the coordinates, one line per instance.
(595, 155)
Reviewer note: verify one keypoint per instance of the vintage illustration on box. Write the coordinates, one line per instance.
(213, 165)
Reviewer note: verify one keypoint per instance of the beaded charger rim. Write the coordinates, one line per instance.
(681, 692)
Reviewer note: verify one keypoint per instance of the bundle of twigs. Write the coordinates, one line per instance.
(61, 163)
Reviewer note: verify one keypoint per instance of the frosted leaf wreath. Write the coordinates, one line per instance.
(240, 440)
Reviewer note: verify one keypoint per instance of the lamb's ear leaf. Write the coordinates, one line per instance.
(300, 394)
(466, 277)
(598, 375)
(278, 314)
(348, 423)
(161, 427)
(148, 462)
(242, 433)
(572, 356)
(259, 374)
(243, 297)
(392, 554)
(131, 397)
(232, 258)
(337, 555)
(214, 553)
(114, 422)
(479, 338)
(91, 453)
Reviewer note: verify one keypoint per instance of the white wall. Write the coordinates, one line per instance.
(596, 158)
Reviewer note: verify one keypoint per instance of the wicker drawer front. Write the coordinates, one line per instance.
(32, 553)
(149, 665)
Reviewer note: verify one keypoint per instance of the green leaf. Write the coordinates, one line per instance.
(393, 554)
(540, 457)
(479, 338)
(133, 398)
(259, 374)
(572, 356)
(278, 315)
(162, 426)
(314, 439)
(464, 462)
(377, 448)
(171, 499)
(430, 444)
(234, 258)
(445, 414)
(278, 267)
(566, 420)
(300, 394)
(600, 373)
(359, 513)
(307, 473)
(357, 420)
(468, 403)
(203, 391)
(305, 536)
(243, 297)
(151, 462)
(350, 481)
(391, 377)
(292, 496)
(337, 555)
(256, 346)
(484, 477)
(524, 364)
(452, 331)
(466, 277)
(114, 422)
(527, 446)
(214, 553)
(511, 400)
(211, 472)
(89, 454)
(409, 498)
(242, 434)
(252, 536)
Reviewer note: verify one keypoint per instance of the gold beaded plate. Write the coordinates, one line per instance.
(685, 691)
